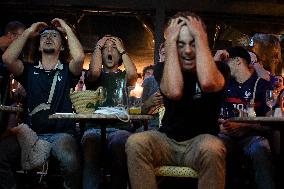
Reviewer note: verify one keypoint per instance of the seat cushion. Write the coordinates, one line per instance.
(175, 171)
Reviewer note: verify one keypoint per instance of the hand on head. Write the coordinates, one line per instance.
(221, 55)
(118, 43)
(173, 30)
(36, 28)
(195, 25)
(60, 24)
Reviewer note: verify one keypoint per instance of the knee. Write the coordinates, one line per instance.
(260, 149)
(212, 146)
(118, 140)
(66, 148)
(90, 140)
(137, 143)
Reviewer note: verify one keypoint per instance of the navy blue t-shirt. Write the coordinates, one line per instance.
(196, 112)
(238, 95)
(37, 83)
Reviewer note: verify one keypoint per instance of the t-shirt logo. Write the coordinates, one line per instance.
(197, 93)
(247, 94)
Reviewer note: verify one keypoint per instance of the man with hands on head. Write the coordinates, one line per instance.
(245, 89)
(108, 55)
(192, 86)
(48, 81)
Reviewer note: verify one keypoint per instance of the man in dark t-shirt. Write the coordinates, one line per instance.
(108, 55)
(192, 87)
(47, 83)
(246, 93)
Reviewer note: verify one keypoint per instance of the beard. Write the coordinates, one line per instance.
(49, 51)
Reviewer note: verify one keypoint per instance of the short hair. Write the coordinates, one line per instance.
(185, 14)
(238, 51)
(13, 26)
(64, 55)
(151, 67)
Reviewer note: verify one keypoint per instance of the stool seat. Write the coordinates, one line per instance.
(175, 171)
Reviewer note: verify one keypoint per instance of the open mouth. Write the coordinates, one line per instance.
(109, 57)
(188, 59)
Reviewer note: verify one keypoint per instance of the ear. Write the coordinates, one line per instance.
(238, 60)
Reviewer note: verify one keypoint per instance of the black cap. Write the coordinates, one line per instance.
(239, 51)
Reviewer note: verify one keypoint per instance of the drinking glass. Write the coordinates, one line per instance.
(270, 98)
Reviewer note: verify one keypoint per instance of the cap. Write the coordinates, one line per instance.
(239, 51)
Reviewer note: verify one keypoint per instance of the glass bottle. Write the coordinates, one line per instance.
(250, 109)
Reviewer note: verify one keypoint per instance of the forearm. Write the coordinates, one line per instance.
(95, 67)
(172, 88)
(11, 55)
(76, 51)
(131, 72)
(210, 78)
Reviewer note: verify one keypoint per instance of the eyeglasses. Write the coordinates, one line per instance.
(49, 34)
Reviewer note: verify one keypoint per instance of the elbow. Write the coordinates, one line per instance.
(173, 94)
(80, 58)
(212, 86)
(5, 59)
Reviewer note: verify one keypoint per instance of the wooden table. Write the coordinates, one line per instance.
(272, 122)
(103, 121)
(276, 123)
(10, 109)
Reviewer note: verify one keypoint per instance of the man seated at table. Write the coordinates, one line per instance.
(12, 31)
(192, 87)
(152, 99)
(244, 89)
(108, 55)
(48, 82)
(9, 148)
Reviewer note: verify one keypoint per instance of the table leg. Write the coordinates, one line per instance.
(104, 155)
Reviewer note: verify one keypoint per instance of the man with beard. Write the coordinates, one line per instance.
(192, 87)
(48, 82)
(108, 55)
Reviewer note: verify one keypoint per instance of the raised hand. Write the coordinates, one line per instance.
(60, 24)
(195, 26)
(221, 55)
(102, 41)
(172, 31)
(118, 43)
(35, 28)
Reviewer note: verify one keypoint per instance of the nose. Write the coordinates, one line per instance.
(188, 49)
(109, 49)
